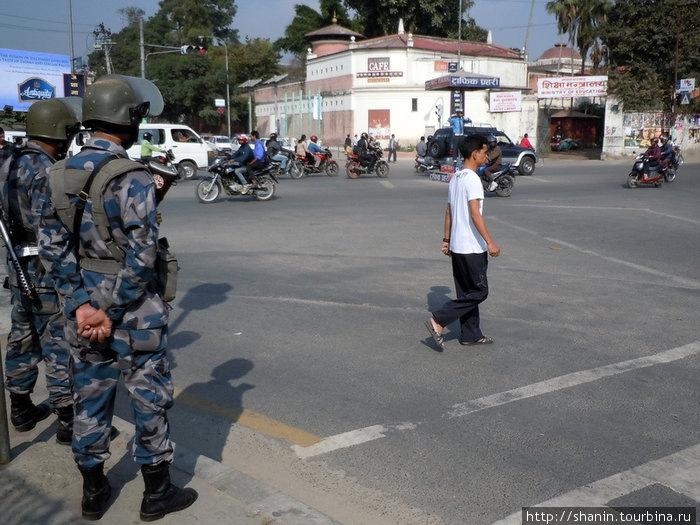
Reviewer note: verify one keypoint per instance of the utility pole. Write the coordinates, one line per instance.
(70, 31)
(103, 36)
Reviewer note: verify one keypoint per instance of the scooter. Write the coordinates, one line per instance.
(224, 178)
(423, 164)
(642, 173)
(502, 177)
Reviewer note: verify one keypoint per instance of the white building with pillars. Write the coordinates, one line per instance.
(381, 85)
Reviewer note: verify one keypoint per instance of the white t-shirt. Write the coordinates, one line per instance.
(465, 185)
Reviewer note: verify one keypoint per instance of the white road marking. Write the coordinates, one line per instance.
(615, 208)
(347, 439)
(386, 184)
(371, 433)
(679, 471)
(571, 380)
(684, 281)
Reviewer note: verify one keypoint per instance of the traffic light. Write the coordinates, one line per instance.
(193, 50)
(438, 110)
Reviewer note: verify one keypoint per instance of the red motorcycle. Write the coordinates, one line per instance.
(327, 165)
(355, 166)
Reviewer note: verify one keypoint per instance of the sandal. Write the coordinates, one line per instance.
(437, 337)
(483, 341)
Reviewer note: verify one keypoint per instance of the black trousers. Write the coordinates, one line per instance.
(472, 288)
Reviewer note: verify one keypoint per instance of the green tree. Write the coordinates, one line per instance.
(641, 51)
(580, 19)
(424, 17)
(306, 20)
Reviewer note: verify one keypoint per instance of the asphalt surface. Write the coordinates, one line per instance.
(301, 360)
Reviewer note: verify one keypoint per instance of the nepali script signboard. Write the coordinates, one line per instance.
(568, 87)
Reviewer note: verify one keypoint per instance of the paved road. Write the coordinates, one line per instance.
(301, 358)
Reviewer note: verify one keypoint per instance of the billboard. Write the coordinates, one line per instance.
(28, 76)
(572, 87)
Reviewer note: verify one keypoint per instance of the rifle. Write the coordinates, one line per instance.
(25, 285)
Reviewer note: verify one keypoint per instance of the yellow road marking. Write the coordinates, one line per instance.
(250, 419)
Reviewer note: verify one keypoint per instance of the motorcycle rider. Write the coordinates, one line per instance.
(315, 149)
(653, 153)
(274, 150)
(37, 326)
(258, 161)
(302, 150)
(147, 148)
(242, 156)
(666, 150)
(130, 342)
(422, 148)
(362, 151)
(495, 159)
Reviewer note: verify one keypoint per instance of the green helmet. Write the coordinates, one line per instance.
(54, 118)
(121, 101)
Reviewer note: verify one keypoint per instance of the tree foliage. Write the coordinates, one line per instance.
(190, 84)
(641, 49)
(424, 17)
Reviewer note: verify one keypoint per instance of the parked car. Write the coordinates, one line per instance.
(524, 159)
(221, 143)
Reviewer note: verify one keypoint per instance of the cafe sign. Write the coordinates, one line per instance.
(379, 67)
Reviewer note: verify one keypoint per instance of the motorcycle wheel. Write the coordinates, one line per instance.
(187, 169)
(505, 185)
(382, 169)
(265, 189)
(332, 168)
(208, 191)
(632, 180)
(352, 169)
(420, 169)
(296, 169)
(679, 160)
(670, 175)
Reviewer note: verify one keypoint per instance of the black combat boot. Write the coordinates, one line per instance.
(24, 414)
(162, 497)
(64, 432)
(96, 492)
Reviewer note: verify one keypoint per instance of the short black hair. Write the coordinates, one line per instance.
(470, 144)
(255, 133)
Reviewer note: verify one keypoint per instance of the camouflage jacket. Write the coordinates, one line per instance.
(129, 298)
(24, 182)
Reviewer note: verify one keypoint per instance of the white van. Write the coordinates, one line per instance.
(190, 151)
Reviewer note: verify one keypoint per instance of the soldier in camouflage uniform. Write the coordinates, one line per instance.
(37, 323)
(135, 347)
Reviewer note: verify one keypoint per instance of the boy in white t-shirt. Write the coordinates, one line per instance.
(467, 241)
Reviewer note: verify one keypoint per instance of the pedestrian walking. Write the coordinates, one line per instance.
(115, 232)
(468, 242)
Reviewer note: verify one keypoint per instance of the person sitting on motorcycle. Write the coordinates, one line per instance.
(274, 151)
(303, 151)
(362, 151)
(666, 150)
(315, 149)
(495, 159)
(259, 160)
(422, 148)
(242, 156)
(653, 153)
(147, 148)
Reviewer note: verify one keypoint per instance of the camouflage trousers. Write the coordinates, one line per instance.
(37, 333)
(139, 357)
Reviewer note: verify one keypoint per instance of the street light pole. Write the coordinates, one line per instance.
(218, 42)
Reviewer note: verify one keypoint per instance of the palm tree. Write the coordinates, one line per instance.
(580, 19)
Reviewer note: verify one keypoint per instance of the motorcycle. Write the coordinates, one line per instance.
(423, 164)
(327, 165)
(294, 167)
(502, 177)
(164, 170)
(656, 174)
(557, 144)
(224, 178)
(354, 166)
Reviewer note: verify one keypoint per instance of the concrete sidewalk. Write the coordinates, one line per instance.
(42, 486)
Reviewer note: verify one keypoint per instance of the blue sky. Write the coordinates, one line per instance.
(42, 25)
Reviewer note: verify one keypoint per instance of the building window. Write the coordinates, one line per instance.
(414, 104)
